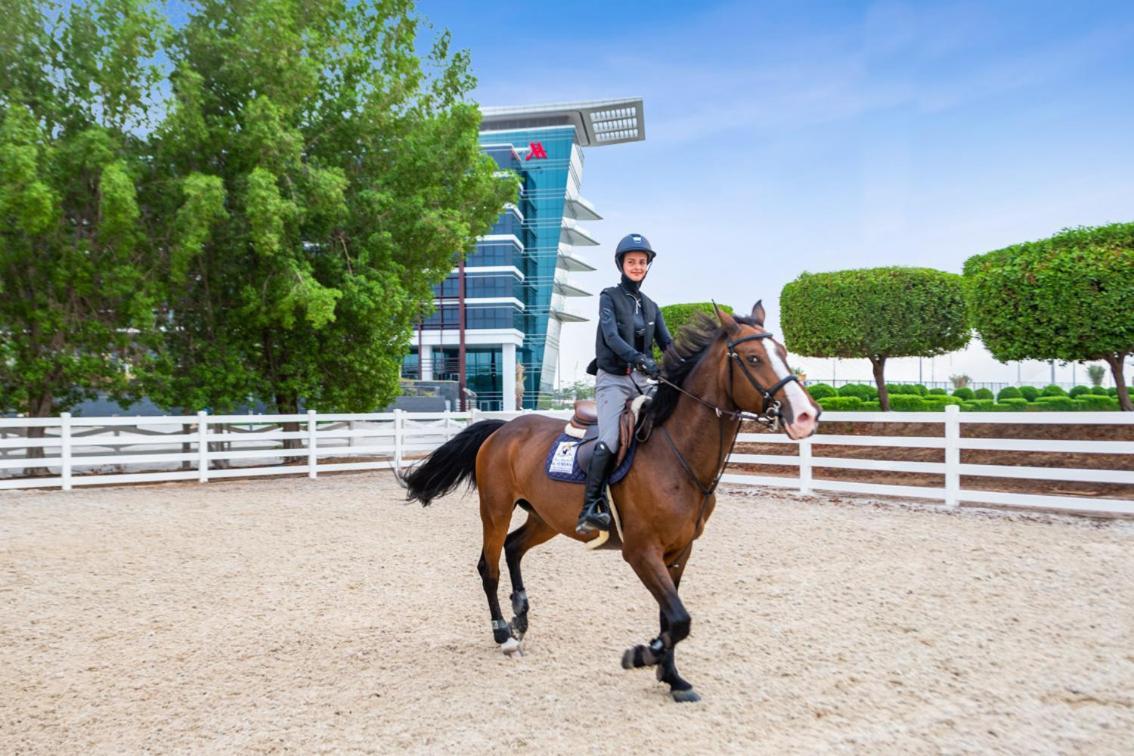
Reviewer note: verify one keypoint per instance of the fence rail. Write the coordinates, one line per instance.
(81, 451)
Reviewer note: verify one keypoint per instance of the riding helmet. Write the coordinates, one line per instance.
(633, 243)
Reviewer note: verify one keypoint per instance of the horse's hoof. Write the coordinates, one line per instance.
(512, 647)
(685, 696)
(628, 659)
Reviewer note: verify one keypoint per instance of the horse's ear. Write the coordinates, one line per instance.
(727, 321)
(758, 312)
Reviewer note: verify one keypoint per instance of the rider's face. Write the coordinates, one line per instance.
(635, 265)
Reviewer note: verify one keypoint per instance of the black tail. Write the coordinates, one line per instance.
(452, 462)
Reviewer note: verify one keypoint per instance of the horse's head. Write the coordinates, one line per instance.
(759, 379)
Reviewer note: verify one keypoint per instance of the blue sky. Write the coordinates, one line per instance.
(784, 137)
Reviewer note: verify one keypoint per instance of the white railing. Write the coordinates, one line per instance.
(952, 470)
(97, 451)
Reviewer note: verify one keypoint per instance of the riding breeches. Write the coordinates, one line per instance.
(611, 394)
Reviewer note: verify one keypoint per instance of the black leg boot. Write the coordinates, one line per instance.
(592, 517)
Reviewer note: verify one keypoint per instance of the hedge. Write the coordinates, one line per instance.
(1077, 391)
(983, 393)
(907, 403)
(1008, 392)
(820, 390)
(938, 392)
(860, 390)
(964, 393)
(840, 403)
(1053, 390)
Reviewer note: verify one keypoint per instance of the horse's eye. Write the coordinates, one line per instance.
(754, 359)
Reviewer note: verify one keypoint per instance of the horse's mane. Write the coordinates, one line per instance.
(683, 356)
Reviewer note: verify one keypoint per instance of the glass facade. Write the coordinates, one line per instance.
(510, 276)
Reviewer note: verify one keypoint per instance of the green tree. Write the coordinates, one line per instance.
(1069, 297)
(313, 179)
(75, 87)
(875, 313)
(1096, 373)
(677, 316)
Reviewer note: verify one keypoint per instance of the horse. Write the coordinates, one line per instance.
(717, 374)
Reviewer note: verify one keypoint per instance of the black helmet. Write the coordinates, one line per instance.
(633, 243)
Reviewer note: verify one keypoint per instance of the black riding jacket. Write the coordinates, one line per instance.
(629, 324)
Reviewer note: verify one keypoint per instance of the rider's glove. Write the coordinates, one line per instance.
(645, 364)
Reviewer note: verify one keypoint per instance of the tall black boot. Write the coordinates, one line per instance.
(592, 517)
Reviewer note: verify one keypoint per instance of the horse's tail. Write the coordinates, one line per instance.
(452, 462)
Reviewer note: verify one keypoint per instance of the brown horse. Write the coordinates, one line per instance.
(715, 375)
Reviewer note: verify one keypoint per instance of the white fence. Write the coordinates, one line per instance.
(98, 450)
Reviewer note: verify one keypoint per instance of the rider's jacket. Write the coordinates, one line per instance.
(629, 324)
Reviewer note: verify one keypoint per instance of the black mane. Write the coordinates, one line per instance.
(679, 361)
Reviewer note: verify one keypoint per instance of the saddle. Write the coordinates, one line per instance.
(583, 425)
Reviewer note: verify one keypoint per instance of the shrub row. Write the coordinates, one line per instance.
(863, 397)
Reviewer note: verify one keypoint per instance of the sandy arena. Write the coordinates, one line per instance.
(318, 616)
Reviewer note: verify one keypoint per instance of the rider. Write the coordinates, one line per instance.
(629, 325)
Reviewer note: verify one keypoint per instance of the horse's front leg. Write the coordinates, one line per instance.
(679, 687)
(655, 575)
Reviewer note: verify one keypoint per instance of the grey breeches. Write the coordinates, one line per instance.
(611, 393)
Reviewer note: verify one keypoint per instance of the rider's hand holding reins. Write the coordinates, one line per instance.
(646, 364)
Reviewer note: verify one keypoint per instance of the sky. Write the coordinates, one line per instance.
(816, 136)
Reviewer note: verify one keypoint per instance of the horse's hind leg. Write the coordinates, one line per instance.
(529, 535)
(495, 516)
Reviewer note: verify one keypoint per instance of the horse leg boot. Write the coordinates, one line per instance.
(592, 517)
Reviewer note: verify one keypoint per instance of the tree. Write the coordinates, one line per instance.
(1069, 298)
(1096, 373)
(313, 179)
(75, 88)
(677, 316)
(875, 313)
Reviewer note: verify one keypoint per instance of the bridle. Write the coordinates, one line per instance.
(771, 413)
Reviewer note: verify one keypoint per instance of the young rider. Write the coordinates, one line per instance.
(630, 323)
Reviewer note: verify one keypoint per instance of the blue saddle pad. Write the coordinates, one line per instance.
(562, 465)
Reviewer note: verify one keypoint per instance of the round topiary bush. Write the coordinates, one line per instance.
(1077, 391)
(1008, 392)
(861, 390)
(920, 389)
(1112, 391)
(1053, 390)
(965, 394)
(820, 390)
(908, 403)
(983, 393)
(1099, 391)
(1031, 393)
(937, 392)
(901, 388)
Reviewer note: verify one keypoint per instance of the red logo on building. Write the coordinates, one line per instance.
(536, 151)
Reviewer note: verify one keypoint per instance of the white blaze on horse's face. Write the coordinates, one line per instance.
(800, 415)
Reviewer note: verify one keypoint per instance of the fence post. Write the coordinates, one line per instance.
(448, 421)
(952, 455)
(202, 447)
(65, 449)
(312, 461)
(399, 437)
(805, 466)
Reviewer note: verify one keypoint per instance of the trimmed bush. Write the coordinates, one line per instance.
(861, 390)
(1112, 391)
(1054, 403)
(1031, 393)
(1016, 403)
(902, 388)
(874, 406)
(1008, 392)
(937, 392)
(1095, 403)
(965, 394)
(1099, 391)
(840, 403)
(820, 390)
(1077, 391)
(983, 393)
(919, 388)
(1053, 390)
(908, 403)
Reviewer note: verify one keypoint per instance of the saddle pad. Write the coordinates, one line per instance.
(561, 463)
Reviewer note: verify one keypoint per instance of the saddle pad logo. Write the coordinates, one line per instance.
(563, 461)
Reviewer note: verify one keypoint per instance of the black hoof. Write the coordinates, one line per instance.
(628, 659)
(685, 696)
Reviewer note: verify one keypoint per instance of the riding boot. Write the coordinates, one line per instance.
(593, 517)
